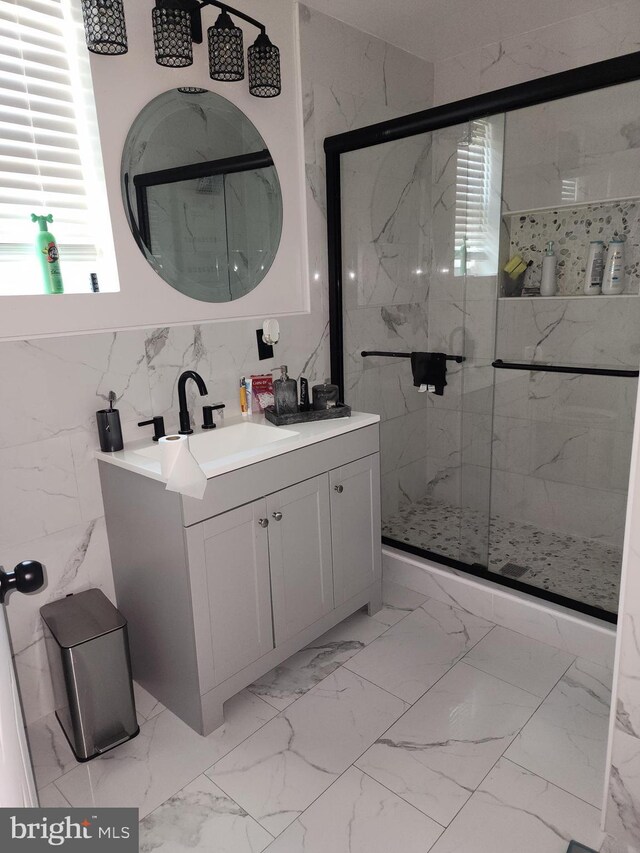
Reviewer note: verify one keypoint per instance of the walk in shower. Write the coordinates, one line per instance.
(519, 471)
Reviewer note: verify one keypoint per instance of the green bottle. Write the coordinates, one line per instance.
(47, 251)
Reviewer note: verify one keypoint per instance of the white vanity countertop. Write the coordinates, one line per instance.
(134, 457)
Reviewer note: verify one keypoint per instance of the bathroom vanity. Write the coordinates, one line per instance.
(283, 546)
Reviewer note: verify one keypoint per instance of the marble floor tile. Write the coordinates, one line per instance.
(147, 705)
(565, 741)
(358, 815)
(302, 671)
(280, 770)
(521, 661)
(51, 755)
(397, 602)
(436, 755)
(50, 797)
(201, 817)
(413, 654)
(166, 755)
(514, 811)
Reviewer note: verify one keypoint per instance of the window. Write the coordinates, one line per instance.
(49, 149)
(477, 221)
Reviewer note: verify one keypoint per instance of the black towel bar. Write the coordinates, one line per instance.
(560, 368)
(367, 352)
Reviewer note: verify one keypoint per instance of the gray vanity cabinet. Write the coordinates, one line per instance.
(229, 568)
(217, 592)
(355, 526)
(300, 554)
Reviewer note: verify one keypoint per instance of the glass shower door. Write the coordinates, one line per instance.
(519, 470)
(565, 386)
(420, 233)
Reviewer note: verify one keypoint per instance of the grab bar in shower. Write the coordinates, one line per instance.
(561, 368)
(367, 352)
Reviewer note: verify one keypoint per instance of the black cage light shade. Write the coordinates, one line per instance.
(177, 25)
(264, 68)
(104, 26)
(172, 36)
(226, 50)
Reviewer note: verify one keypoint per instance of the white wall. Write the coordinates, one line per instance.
(123, 85)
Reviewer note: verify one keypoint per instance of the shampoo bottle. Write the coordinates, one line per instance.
(595, 266)
(285, 394)
(548, 286)
(47, 251)
(613, 279)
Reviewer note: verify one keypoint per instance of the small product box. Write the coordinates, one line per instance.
(261, 393)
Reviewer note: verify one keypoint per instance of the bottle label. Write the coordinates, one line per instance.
(597, 270)
(52, 253)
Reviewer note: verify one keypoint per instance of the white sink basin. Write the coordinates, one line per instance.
(228, 441)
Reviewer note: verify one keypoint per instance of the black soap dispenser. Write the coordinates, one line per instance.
(285, 394)
(109, 427)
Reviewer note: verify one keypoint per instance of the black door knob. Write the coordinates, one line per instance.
(28, 576)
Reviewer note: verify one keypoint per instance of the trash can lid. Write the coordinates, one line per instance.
(81, 617)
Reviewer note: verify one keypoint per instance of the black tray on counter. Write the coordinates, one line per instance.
(340, 410)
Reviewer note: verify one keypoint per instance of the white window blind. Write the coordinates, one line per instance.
(473, 202)
(48, 140)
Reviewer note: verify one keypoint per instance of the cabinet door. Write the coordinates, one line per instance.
(355, 526)
(236, 555)
(300, 554)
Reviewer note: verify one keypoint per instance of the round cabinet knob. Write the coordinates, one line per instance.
(263, 522)
(339, 489)
(277, 516)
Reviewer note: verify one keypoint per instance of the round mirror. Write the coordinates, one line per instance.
(202, 195)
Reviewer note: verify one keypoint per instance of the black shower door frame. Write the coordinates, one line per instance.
(577, 81)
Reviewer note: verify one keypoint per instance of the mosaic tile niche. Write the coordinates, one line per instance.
(572, 229)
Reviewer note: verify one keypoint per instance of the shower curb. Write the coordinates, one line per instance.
(575, 633)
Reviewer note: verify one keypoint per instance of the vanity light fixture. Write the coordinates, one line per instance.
(264, 68)
(104, 26)
(226, 51)
(177, 24)
(173, 33)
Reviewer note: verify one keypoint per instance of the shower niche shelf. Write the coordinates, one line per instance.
(571, 228)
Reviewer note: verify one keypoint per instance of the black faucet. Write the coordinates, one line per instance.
(185, 420)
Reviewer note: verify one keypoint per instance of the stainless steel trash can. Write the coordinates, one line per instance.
(88, 651)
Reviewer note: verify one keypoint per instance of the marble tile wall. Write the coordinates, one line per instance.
(622, 821)
(387, 256)
(562, 443)
(612, 30)
(583, 148)
(402, 292)
(50, 500)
